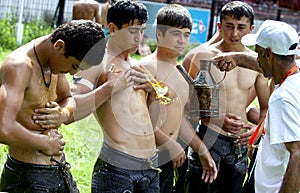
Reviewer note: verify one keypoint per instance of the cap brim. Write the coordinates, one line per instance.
(249, 40)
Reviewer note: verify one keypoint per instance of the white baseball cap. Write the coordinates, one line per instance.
(280, 37)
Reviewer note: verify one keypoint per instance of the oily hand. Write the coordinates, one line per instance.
(142, 78)
(54, 144)
(177, 154)
(49, 117)
(232, 123)
(225, 62)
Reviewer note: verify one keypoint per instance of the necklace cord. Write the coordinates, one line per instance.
(47, 84)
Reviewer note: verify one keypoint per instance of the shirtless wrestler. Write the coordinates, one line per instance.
(228, 149)
(86, 9)
(128, 159)
(174, 25)
(30, 77)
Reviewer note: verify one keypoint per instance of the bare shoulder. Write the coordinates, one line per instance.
(92, 74)
(94, 4)
(202, 52)
(16, 69)
(200, 49)
(150, 62)
(17, 60)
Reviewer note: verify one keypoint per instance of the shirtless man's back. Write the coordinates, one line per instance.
(86, 9)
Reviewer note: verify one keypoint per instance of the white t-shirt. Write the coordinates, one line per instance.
(282, 125)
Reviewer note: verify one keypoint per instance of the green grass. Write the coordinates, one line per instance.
(83, 143)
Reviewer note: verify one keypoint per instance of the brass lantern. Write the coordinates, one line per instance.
(204, 99)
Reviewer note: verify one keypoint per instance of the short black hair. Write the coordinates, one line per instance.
(173, 15)
(125, 12)
(237, 9)
(84, 40)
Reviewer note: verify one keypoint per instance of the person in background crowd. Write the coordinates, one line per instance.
(144, 49)
(86, 9)
(104, 9)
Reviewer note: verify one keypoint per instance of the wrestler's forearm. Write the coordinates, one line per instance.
(88, 103)
(67, 109)
(188, 135)
(291, 181)
(15, 135)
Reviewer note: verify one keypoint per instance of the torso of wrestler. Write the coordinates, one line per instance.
(125, 119)
(36, 95)
(233, 95)
(178, 92)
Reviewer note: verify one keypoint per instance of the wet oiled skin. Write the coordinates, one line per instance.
(36, 95)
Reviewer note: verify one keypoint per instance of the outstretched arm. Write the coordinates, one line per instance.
(228, 61)
(85, 99)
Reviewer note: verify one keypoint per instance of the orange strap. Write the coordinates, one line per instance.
(254, 136)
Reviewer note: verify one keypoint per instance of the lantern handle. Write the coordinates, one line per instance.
(222, 79)
(223, 76)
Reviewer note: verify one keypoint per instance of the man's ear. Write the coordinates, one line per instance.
(59, 45)
(219, 25)
(111, 28)
(251, 28)
(159, 35)
(269, 52)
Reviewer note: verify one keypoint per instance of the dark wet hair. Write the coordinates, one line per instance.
(125, 12)
(237, 9)
(84, 40)
(173, 15)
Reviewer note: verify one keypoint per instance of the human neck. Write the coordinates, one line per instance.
(225, 47)
(45, 69)
(165, 56)
(115, 52)
(281, 72)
